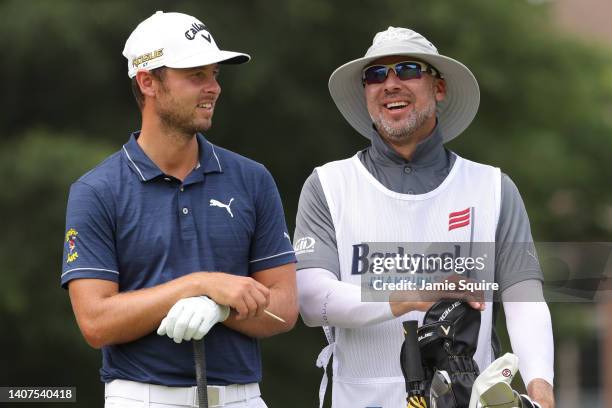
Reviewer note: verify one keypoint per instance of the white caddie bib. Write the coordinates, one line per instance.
(366, 364)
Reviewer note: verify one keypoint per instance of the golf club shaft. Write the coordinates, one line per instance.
(200, 367)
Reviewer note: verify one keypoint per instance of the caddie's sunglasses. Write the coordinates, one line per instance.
(405, 70)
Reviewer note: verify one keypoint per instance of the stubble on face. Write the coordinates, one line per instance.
(402, 132)
(176, 117)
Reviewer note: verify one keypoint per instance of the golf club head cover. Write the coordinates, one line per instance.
(448, 340)
(501, 370)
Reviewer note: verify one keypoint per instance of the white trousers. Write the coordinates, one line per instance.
(130, 394)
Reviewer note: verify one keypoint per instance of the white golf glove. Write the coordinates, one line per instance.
(191, 318)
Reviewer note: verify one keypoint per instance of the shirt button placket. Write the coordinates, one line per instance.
(184, 210)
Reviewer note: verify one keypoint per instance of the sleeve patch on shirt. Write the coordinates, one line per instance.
(71, 237)
(304, 245)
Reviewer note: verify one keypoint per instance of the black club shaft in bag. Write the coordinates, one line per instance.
(412, 367)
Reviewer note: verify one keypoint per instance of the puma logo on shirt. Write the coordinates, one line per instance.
(215, 203)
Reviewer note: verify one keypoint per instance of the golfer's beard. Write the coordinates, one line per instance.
(176, 120)
(401, 132)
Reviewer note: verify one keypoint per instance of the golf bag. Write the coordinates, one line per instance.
(447, 341)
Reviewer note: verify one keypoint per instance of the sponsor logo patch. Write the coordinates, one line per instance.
(196, 28)
(217, 203)
(459, 219)
(71, 237)
(304, 245)
(147, 57)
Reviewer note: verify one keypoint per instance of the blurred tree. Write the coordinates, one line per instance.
(544, 119)
(41, 342)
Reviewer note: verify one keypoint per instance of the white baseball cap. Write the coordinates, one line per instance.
(174, 40)
(455, 112)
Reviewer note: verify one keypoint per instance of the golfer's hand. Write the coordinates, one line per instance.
(245, 295)
(191, 318)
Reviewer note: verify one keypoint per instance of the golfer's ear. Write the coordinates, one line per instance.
(145, 83)
(439, 89)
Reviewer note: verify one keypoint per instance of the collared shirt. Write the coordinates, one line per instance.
(427, 169)
(129, 223)
(424, 172)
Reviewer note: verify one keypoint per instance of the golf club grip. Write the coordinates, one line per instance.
(412, 353)
(200, 368)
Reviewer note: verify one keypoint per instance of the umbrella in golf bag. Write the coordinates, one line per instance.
(410, 359)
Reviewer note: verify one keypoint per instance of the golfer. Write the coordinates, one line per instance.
(173, 234)
(409, 100)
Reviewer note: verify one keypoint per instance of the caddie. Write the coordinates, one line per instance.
(174, 238)
(406, 186)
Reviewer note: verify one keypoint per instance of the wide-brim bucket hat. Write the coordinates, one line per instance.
(454, 113)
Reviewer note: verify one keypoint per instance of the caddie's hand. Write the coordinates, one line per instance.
(542, 392)
(402, 302)
(245, 295)
(191, 318)
(399, 308)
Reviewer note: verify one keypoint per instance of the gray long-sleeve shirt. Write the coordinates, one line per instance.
(427, 169)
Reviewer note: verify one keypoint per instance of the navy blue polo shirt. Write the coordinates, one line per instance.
(129, 223)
